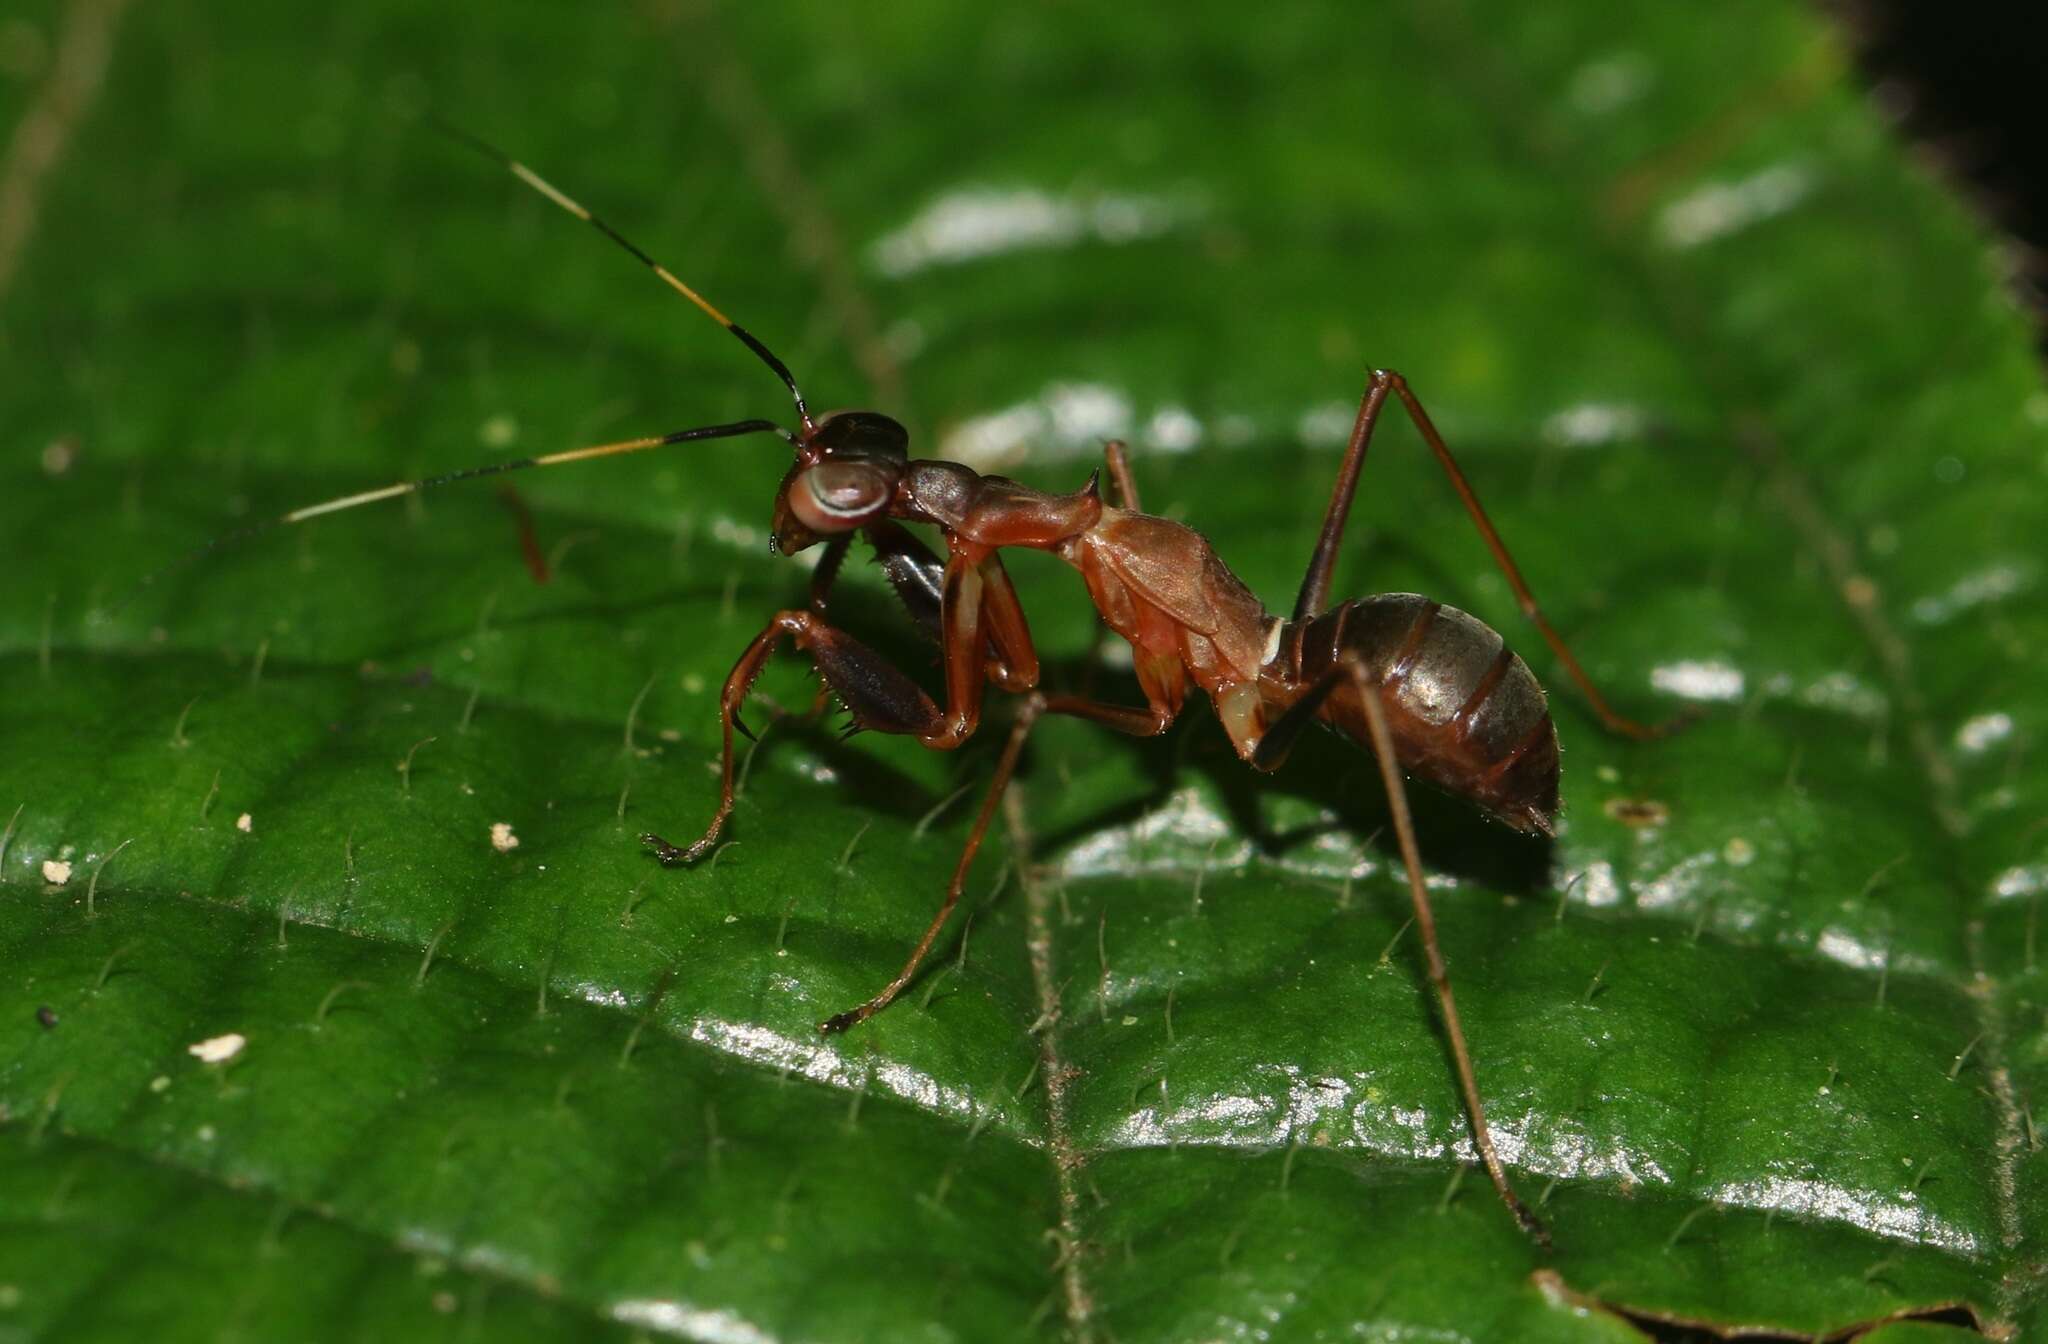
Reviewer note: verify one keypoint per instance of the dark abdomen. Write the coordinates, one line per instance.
(1466, 714)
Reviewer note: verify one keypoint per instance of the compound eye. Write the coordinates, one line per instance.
(838, 496)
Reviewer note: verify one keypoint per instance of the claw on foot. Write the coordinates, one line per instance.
(670, 855)
(839, 1022)
(1532, 1226)
(1679, 722)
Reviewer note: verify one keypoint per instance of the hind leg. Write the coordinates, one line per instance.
(1271, 751)
(1315, 584)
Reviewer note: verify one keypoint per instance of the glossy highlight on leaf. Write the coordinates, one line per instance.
(357, 1010)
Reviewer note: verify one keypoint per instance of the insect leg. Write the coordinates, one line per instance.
(1315, 584)
(879, 695)
(1425, 922)
(823, 576)
(1012, 659)
(1280, 737)
(1272, 749)
(827, 572)
(529, 538)
(1118, 461)
(918, 576)
(1148, 722)
(1125, 488)
(1138, 722)
(1005, 767)
(914, 570)
(963, 645)
(983, 637)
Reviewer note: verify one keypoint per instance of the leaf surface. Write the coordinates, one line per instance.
(1735, 378)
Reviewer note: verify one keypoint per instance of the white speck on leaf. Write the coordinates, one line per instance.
(218, 1049)
(56, 872)
(1699, 680)
(502, 838)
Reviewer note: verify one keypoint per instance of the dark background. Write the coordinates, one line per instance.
(1967, 83)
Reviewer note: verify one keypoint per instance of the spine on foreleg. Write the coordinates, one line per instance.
(879, 696)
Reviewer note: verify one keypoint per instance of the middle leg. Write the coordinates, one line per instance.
(1117, 459)
(1125, 487)
(1126, 719)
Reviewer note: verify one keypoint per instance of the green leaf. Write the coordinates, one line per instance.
(1735, 377)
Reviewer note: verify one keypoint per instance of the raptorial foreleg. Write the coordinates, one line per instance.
(879, 695)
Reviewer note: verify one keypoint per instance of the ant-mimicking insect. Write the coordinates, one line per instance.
(1423, 686)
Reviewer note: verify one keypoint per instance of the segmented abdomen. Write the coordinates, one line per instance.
(1467, 715)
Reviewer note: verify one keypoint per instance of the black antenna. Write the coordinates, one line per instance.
(547, 189)
(382, 493)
